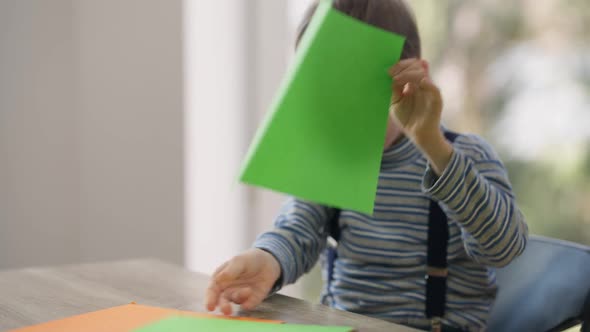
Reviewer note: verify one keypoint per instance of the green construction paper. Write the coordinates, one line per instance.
(323, 137)
(189, 324)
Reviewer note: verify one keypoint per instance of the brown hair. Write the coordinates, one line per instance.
(390, 15)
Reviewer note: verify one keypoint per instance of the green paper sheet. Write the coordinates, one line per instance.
(323, 137)
(186, 324)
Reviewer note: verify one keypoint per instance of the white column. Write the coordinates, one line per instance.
(215, 59)
(271, 49)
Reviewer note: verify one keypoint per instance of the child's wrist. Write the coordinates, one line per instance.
(436, 149)
(273, 263)
(429, 140)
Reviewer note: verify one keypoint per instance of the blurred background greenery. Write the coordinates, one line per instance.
(518, 73)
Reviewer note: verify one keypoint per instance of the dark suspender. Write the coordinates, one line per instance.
(436, 259)
(331, 254)
(436, 265)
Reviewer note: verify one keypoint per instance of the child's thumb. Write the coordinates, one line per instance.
(396, 95)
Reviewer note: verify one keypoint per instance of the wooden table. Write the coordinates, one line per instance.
(35, 295)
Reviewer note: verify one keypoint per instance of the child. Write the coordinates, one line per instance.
(381, 259)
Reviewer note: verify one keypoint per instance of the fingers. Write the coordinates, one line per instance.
(408, 95)
(401, 91)
(397, 93)
(404, 65)
(225, 304)
(225, 289)
(404, 72)
(428, 86)
(223, 298)
(252, 301)
(409, 89)
(241, 295)
(414, 76)
(236, 282)
(244, 296)
(416, 72)
(234, 268)
(212, 295)
(403, 110)
(222, 278)
(408, 64)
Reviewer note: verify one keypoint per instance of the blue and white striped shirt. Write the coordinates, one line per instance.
(382, 258)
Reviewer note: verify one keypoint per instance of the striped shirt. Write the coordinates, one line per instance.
(381, 260)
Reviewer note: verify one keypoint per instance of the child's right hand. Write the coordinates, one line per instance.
(245, 280)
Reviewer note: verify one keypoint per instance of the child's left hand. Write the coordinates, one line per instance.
(416, 107)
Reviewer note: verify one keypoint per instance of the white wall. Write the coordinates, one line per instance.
(131, 129)
(91, 126)
(91, 161)
(39, 146)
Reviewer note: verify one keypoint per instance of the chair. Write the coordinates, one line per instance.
(546, 289)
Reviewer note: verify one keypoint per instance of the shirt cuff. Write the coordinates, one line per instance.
(279, 283)
(275, 245)
(441, 187)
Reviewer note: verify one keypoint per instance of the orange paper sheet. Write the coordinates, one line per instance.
(123, 318)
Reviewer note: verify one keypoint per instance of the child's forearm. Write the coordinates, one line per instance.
(297, 239)
(437, 149)
(476, 193)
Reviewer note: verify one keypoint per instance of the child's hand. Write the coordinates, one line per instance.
(245, 280)
(416, 107)
(416, 103)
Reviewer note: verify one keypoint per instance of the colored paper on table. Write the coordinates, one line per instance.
(187, 324)
(123, 318)
(323, 137)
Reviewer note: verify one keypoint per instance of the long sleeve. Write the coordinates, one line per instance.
(474, 190)
(298, 238)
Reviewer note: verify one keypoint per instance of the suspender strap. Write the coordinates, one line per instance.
(334, 225)
(436, 261)
(331, 254)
